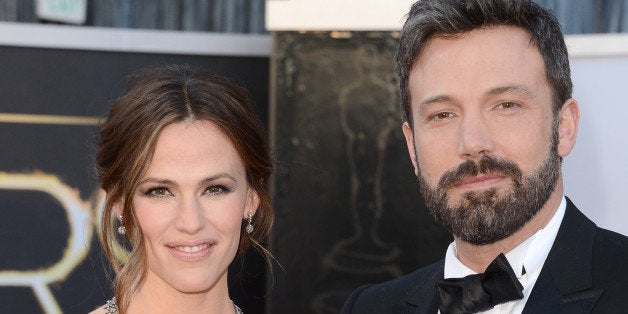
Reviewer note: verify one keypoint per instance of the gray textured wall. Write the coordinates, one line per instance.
(589, 16)
(229, 16)
(247, 16)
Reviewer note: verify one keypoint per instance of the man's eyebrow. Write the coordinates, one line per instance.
(514, 88)
(435, 99)
(511, 88)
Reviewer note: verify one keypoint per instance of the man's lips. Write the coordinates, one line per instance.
(483, 180)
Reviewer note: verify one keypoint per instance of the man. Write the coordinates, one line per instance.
(486, 93)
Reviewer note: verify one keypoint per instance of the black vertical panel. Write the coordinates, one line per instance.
(34, 228)
(348, 207)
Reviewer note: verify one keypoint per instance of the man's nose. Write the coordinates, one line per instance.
(475, 137)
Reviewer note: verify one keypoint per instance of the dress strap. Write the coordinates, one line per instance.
(237, 309)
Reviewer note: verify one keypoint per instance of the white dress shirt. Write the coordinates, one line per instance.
(530, 254)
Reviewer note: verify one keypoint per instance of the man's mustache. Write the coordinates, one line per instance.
(471, 168)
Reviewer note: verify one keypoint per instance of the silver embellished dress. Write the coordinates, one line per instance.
(112, 308)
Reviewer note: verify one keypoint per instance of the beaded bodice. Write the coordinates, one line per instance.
(111, 307)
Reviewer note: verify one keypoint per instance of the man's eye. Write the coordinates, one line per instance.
(508, 105)
(442, 116)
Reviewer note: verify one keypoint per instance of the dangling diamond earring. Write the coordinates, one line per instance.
(121, 228)
(249, 226)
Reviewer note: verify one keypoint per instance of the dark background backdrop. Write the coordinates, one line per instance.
(33, 225)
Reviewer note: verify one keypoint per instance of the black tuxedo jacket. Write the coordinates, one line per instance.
(585, 272)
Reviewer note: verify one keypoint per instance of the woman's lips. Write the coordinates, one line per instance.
(478, 182)
(191, 251)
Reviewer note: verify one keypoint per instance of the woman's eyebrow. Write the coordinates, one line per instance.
(219, 176)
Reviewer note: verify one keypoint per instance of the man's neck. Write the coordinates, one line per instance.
(478, 257)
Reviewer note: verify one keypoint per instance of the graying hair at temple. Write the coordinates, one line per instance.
(429, 18)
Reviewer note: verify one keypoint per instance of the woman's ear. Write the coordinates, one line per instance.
(118, 208)
(252, 203)
(568, 118)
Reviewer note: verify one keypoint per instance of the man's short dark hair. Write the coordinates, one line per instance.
(429, 18)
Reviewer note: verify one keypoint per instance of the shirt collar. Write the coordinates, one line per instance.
(530, 254)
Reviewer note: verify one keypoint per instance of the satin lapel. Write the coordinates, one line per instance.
(423, 300)
(564, 285)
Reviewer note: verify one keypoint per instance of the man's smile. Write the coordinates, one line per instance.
(480, 181)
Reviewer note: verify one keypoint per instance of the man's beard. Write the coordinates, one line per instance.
(484, 217)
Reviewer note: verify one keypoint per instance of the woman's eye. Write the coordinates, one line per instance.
(216, 189)
(158, 192)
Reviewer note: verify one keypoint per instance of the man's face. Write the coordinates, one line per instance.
(483, 142)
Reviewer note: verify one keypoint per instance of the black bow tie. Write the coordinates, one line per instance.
(481, 292)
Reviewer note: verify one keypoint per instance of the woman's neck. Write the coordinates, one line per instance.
(157, 296)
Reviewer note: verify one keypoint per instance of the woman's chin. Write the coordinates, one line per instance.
(193, 287)
(194, 284)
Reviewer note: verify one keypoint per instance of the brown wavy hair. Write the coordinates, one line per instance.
(154, 99)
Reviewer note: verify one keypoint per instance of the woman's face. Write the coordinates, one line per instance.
(190, 206)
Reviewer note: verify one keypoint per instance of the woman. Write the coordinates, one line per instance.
(184, 162)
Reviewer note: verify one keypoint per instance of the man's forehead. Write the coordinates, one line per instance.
(465, 34)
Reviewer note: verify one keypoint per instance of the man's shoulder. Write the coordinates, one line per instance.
(611, 240)
(585, 256)
(380, 298)
(406, 284)
(610, 252)
(579, 238)
(608, 270)
(607, 245)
